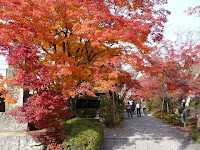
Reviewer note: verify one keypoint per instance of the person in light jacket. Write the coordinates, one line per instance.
(138, 106)
(144, 107)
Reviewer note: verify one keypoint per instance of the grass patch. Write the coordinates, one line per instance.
(195, 134)
(169, 118)
(195, 104)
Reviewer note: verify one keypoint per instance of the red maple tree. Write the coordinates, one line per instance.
(60, 49)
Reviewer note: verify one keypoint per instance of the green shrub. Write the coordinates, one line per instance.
(149, 105)
(108, 119)
(195, 104)
(154, 105)
(169, 118)
(106, 109)
(195, 134)
(118, 117)
(83, 134)
(87, 113)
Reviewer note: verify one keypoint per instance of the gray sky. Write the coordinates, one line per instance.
(178, 22)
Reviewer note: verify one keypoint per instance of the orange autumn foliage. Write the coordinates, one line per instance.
(61, 48)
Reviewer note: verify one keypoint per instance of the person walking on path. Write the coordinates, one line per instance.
(144, 107)
(129, 110)
(133, 106)
(130, 102)
(138, 106)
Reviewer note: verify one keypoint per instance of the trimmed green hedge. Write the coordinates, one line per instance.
(83, 134)
(195, 134)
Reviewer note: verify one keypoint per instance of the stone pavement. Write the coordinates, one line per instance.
(146, 133)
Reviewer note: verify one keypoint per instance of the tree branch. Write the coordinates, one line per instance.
(63, 47)
(44, 49)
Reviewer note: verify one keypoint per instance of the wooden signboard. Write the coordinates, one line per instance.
(88, 104)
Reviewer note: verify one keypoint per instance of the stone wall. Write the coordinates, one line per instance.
(20, 95)
(9, 124)
(17, 92)
(18, 141)
(13, 135)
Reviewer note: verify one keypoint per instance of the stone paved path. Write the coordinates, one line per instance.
(146, 133)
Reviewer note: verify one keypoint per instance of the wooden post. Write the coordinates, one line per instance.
(163, 101)
(113, 107)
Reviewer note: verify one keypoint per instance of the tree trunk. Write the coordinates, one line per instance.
(72, 104)
(113, 107)
(163, 101)
(198, 120)
(167, 106)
